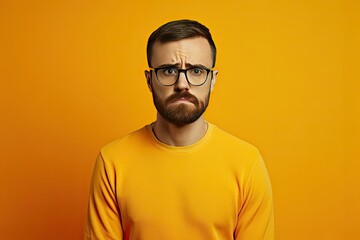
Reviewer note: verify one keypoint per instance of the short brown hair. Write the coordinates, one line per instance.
(177, 30)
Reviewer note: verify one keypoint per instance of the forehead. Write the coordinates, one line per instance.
(185, 51)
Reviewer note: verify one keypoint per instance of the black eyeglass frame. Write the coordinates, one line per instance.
(208, 70)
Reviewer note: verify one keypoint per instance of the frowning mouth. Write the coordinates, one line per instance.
(185, 100)
(182, 98)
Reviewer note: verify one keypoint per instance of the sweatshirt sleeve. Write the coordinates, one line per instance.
(256, 217)
(103, 216)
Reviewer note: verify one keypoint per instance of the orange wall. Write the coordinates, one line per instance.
(71, 80)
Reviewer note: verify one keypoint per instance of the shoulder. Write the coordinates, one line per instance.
(229, 140)
(240, 154)
(126, 143)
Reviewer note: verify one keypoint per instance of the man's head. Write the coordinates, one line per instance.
(181, 55)
(178, 30)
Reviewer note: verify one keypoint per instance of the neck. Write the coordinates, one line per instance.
(174, 135)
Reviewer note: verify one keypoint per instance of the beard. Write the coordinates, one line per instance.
(183, 113)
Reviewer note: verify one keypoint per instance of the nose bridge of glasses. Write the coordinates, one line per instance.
(185, 76)
(182, 78)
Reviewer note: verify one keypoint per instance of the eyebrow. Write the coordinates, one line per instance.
(188, 65)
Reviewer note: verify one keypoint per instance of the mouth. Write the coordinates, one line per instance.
(183, 100)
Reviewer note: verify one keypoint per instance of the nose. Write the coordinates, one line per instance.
(182, 83)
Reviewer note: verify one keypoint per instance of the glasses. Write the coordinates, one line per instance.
(168, 76)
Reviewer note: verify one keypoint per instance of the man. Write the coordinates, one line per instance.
(180, 177)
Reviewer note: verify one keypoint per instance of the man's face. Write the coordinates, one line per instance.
(182, 103)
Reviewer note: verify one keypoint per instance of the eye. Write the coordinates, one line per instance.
(169, 71)
(197, 71)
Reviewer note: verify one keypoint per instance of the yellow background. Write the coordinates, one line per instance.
(71, 80)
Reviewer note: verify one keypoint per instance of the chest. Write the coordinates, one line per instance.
(183, 195)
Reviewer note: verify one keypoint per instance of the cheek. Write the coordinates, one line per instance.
(202, 93)
(161, 94)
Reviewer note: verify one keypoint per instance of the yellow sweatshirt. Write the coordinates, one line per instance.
(143, 189)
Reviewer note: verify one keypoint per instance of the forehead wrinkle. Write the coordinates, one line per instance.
(182, 53)
(181, 57)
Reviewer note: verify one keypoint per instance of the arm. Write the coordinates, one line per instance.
(103, 217)
(256, 217)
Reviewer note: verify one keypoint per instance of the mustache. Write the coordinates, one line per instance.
(188, 96)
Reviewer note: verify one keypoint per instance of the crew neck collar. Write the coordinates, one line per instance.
(180, 149)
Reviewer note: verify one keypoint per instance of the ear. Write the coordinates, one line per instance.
(213, 79)
(148, 79)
